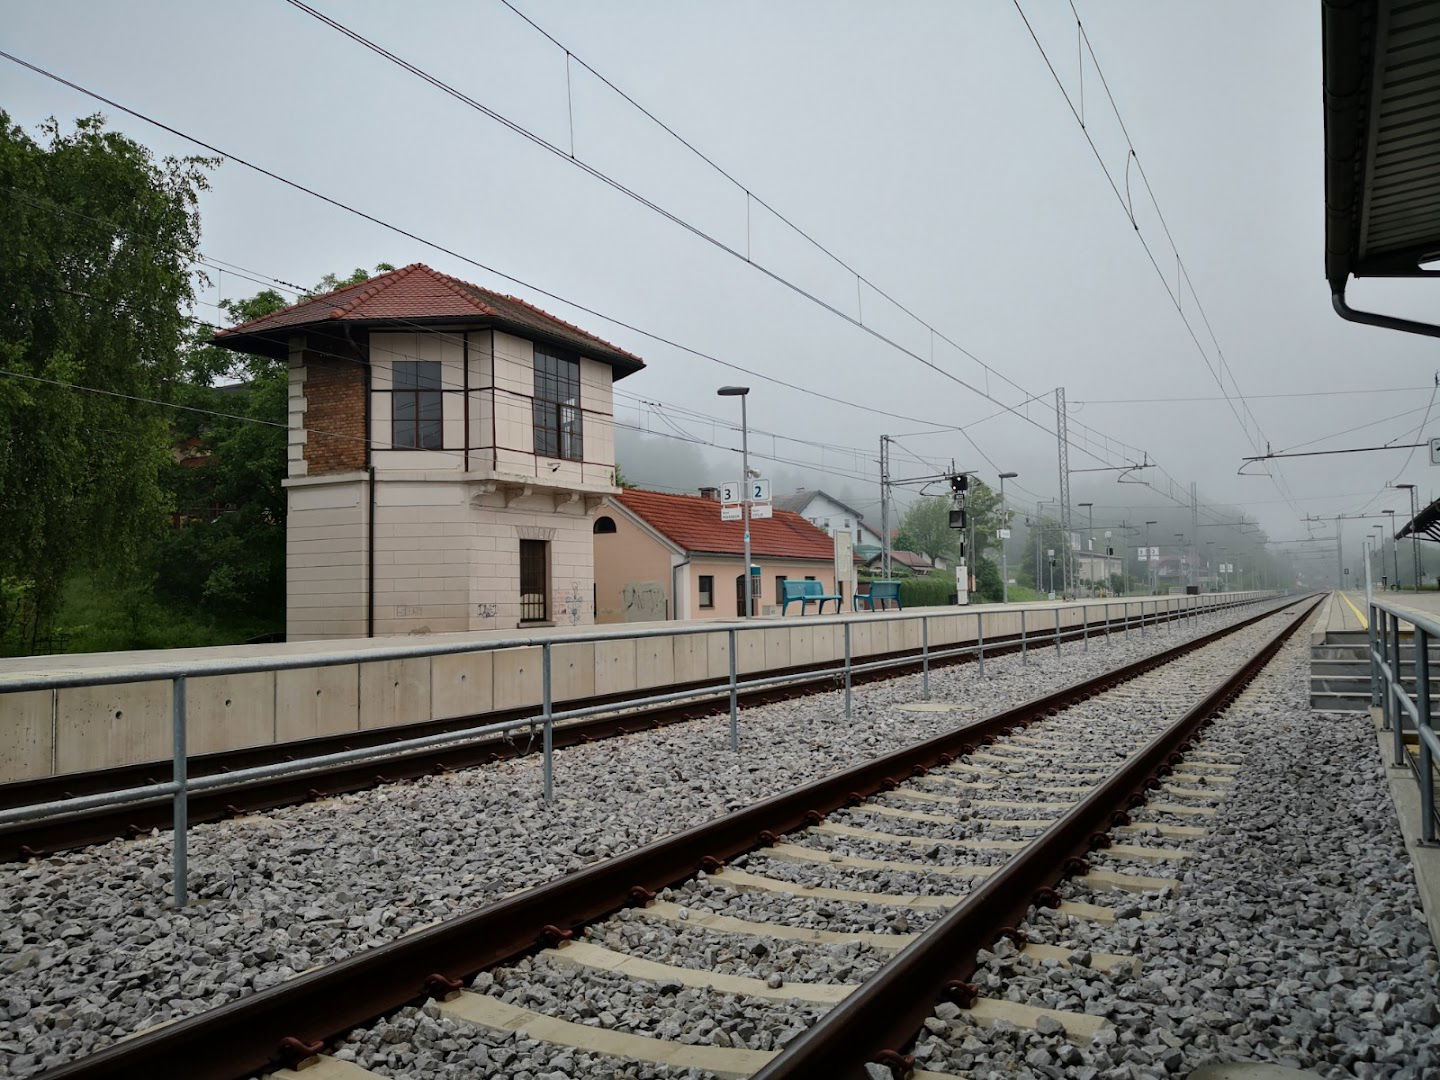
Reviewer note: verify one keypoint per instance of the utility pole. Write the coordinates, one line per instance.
(885, 505)
(1062, 438)
(1150, 559)
(1194, 526)
(1004, 525)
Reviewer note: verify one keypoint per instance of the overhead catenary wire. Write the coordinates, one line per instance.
(1175, 493)
(1220, 367)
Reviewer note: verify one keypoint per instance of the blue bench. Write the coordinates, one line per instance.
(881, 592)
(805, 591)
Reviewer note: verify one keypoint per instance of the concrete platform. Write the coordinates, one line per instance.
(1425, 860)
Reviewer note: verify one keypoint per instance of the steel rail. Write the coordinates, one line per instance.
(80, 827)
(295, 1019)
(883, 1016)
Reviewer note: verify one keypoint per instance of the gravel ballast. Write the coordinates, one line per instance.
(1296, 938)
(92, 951)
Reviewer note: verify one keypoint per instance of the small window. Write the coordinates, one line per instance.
(534, 580)
(604, 525)
(847, 523)
(707, 590)
(809, 577)
(779, 588)
(416, 406)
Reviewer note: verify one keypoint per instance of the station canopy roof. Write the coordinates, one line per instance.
(1382, 138)
(1425, 525)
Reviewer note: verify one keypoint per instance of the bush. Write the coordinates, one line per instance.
(927, 591)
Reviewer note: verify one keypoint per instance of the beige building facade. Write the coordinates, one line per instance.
(661, 556)
(448, 447)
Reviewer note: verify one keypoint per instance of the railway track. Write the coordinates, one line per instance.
(953, 841)
(50, 834)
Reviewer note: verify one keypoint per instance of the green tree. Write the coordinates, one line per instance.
(925, 528)
(1045, 533)
(230, 550)
(97, 264)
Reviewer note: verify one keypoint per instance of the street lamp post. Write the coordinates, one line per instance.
(742, 392)
(1090, 544)
(1394, 550)
(1414, 546)
(1004, 524)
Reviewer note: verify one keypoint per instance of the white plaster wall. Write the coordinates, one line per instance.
(325, 581)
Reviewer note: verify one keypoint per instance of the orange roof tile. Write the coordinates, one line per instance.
(694, 524)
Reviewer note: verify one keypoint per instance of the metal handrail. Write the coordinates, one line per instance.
(181, 785)
(1388, 691)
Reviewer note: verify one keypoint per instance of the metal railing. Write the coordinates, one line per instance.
(1404, 714)
(1187, 608)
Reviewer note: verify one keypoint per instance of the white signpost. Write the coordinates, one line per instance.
(733, 497)
(761, 510)
(1144, 554)
(730, 513)
(730, 494)
(1435, 451)
(1003, 534)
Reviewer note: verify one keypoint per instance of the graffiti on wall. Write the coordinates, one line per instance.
(572, 604)
(645, 602)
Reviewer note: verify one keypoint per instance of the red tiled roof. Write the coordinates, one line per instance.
(694, 524)
(912, 559)
(416, 292)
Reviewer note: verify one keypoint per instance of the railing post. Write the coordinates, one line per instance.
(1024, 656)
(1370, 639)
(1382, 645)
(980, 641)
(1398, 716)
(847, 671)
(1143, 632)
(1057, 631)
(1085, 625)
(924, 658)
(734, 698)
(547, 717)
(1105, 618)
(1422, 699)
(179, 774)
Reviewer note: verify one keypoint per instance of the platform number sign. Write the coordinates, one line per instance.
(760, 491)
(730, 494)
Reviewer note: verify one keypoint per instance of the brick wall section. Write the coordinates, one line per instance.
(334, 405)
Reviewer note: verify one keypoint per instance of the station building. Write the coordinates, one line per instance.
(448, 447)
(660, 556)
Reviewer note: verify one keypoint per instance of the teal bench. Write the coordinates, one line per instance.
(805, 591)
(882, 593)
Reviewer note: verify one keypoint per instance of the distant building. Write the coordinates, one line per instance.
(661, 556)
(911, 561)
(828, 513)
(448, 447)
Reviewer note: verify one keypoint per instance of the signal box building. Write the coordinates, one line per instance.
(448, 447)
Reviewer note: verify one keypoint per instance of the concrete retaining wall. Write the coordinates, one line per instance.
(45, 733)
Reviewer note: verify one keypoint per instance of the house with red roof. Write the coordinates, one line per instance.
(660, 556)
(448, 448)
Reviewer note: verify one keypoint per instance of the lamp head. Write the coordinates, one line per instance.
(733, 391)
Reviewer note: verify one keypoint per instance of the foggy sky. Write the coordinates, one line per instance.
(926, 143)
